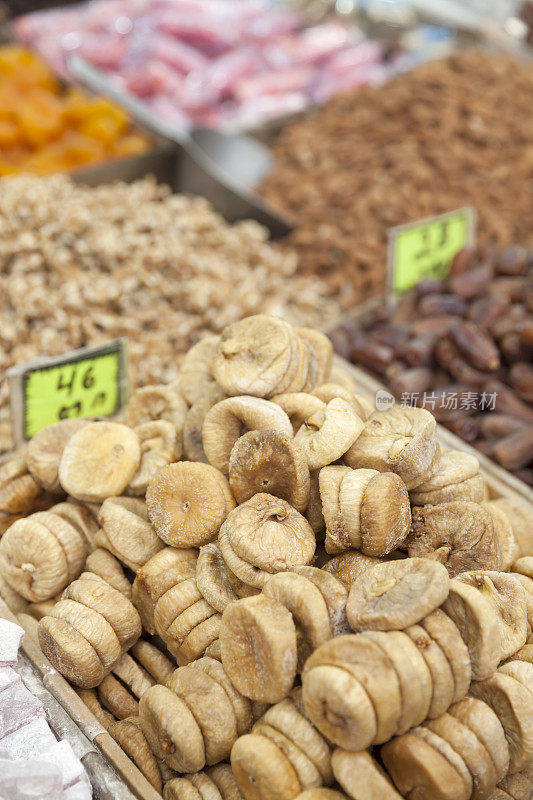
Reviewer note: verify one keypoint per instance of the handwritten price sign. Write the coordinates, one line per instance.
(425, 249)
(91, 382)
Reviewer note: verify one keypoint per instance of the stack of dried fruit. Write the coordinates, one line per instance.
(82, 265)
(450, 133)
(463, 348)
(325, 578)
(46, 128)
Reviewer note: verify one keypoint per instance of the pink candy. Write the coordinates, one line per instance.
(11, 636)
(220, 63)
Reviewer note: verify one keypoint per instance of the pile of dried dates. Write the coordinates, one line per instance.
(462, 348)
(264, 589)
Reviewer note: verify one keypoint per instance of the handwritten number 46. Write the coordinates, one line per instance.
(65, 381)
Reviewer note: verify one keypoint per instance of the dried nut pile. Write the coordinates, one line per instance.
(463, 347)
(265, 590)
(82, 265)
(448, 134)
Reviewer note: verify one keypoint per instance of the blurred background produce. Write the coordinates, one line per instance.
(452, 132)
(463, 349)
(46, 127)
(234, 63)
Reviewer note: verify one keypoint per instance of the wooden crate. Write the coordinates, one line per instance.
(500, 483)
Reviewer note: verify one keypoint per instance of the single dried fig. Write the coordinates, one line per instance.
(159, 447)
(258, 645)
(196, 371)
(361, 776)
(187, 503)
(155, 402)
(90, 698)
(116, 698)
(298, 406)
(227, 420)
(349, 566)
(461, 535)
(508, 600)
(511, 702)
(212, 578)
(45, 450)
(263, 536)
(478, 624)
(153, 660)
(482, 721)
(262, 770)
(457, 478)
(128, 734)
(18, 489)
(304, 601)
(171, 730)
(446, 634)
(271, 462)
(323, 349)
(81, 517)
(443, 684)
(99, 460)
(401, 440)
(396, 594)
(70, 653)
(126, 531)
(194, 421)
(253, 356)
(334, 594)
(329, 433)
(102, 563)
(520, 516)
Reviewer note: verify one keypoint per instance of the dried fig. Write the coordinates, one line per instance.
(323, 349)
(520, 516)
(159, 447)
(258, 644)
(153, 660)
(446, 634)
(271, 462)
(187, 503)
(457, 478)
(70, 653)
(194, 421)
(106, 566)
(227, 420)
(18, 489)
(443, 685)
(196, 372)
(328, 433)
(157, 576)
(396, 594)
(304, 601)
(253, 356)
(45, 450)
(262, 770)
(128, 734)
(349, 566)
(298, 406)
(263, 536)
(99, 460)
(155, 402)
(482, 721)
(401, 440)
(461, 535)
(171, 730)
(126, 531)
(90, 698)
(361, 776)
(334, 594)
(40, 555)
(116, 698)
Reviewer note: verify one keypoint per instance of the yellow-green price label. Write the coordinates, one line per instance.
(425, 249)
(91, 382)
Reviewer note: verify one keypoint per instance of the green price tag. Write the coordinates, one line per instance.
(91, 382)
(425, 249)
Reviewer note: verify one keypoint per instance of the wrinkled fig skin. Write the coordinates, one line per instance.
(461, 535)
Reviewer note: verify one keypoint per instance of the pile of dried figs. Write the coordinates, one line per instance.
(265, 589)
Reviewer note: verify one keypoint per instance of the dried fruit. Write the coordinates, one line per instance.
(18, 490)
(401, 440)
(457, 478)
(90, 698)
(187, 503)
(422, 772)
(227, 420)
(373, 512)
(81, 517)
(45, 450)
(271, 462)
(171, 730)
(413, 674)
(157, 576)
(520, 516)
(298, 406)
(304, 601)
(106, 566)
(482, 721)
(196, 372)
(126, 531)
(258, 645)
(348, 566)
(116, 698)
(371, 671)
(40, 555)
(99, 460)
(334, 594)
(511, 702)
(128, 734)
(329, 433)
(263, 536)
(262, 770)
(253, 356)
(153, 660)
(361, 776)
(323, 350)
(159, 447)
(508, 599)
(442, 678)
(155, 402)
(478, 624)
(446, 634)
(194, 421)
(461, 535)
(396, 594)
